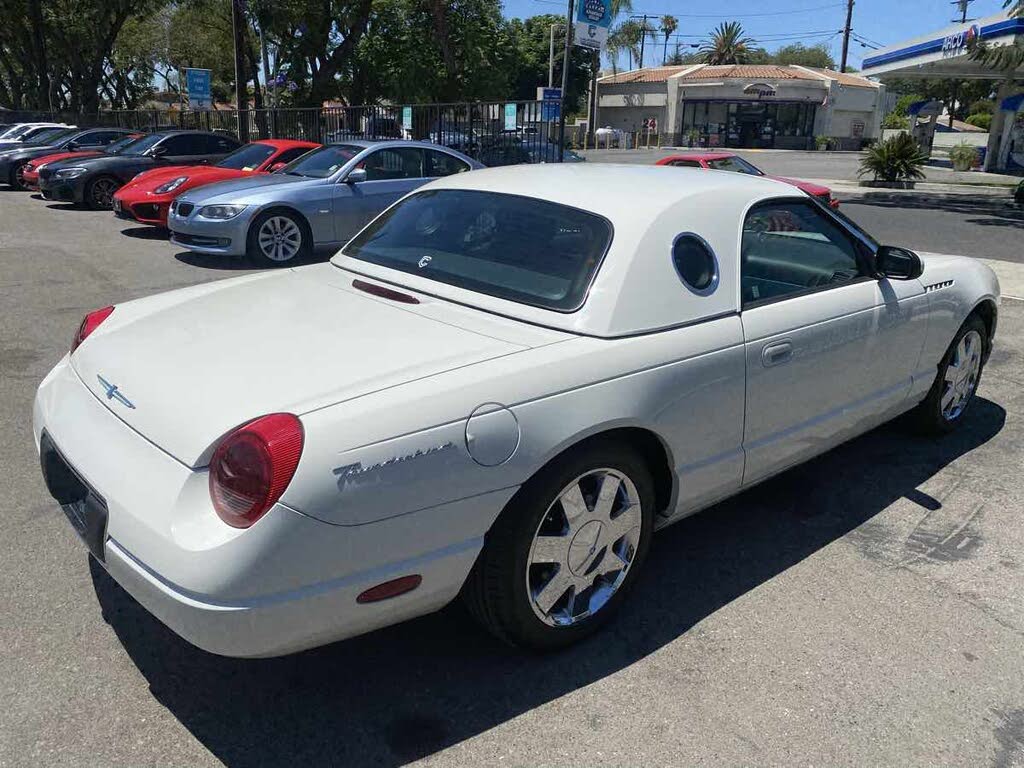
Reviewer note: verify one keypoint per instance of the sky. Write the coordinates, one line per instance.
(883, 22)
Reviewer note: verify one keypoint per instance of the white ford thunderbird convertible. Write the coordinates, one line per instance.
(499, 389)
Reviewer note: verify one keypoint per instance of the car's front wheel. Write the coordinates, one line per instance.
(99, 193)
(565, 551)
(17, 178)
(277, 238)
(957, 380)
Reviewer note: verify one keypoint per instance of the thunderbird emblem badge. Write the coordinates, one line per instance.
(424, 261)
(113, 393)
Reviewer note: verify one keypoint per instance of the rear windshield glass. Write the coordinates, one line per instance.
(247, 158)
(323, 162)
(518, 248)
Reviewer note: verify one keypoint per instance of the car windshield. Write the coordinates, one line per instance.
(140, 146)
(117, 147)
(248, 157)
(21, 130)
(323, 162)
(735, 164)
(518, 248)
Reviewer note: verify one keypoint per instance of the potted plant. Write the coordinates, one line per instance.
(964, 156)
(823, 143)
(894, 163)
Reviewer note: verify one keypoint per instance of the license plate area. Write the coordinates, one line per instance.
(84, 508)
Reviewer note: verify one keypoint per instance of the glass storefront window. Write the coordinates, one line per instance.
(751, 123)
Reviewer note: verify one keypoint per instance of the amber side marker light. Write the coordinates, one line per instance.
(390, 589)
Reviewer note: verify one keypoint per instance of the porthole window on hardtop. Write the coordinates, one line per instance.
(695, 263)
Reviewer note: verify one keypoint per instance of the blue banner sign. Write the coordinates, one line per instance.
(593, 17)
(198, 83)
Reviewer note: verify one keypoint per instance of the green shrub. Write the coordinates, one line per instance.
(982, 107)
(981, 120)
(893, 120)
(822, 142)
(896, 159)
(964, 156)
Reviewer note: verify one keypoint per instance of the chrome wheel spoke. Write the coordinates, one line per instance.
(554, 590)
(606, 497)
(550, 549)
(574, 506)
(948, 398)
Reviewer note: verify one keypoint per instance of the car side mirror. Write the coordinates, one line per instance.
(72, 146)
(898, 263)
(277, 167)
(158, 152)
(356, 176)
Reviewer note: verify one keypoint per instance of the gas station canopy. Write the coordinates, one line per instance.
(944, 54)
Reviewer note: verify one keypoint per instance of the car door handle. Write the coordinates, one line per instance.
(777, 353)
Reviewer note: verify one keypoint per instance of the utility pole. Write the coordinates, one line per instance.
(963, 5)
(643, 33)
(241, 101)
(846, 33)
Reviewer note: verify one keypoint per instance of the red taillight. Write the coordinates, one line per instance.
(89, 324)
(252, 466)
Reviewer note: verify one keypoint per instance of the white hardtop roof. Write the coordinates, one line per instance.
(608, 189)
(636, 289)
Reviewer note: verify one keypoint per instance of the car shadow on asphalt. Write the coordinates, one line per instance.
(406, 692)
(146, 233)
(231, 263)
(991, 211)
(71, 207)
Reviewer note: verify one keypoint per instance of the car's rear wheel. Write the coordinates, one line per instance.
(17, 178)
(957, 380)
(277, 238)
(565, 551)
(99, 193)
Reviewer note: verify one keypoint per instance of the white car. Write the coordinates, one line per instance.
(608, 137)
(500, 387)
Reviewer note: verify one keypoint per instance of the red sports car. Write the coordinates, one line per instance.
(31, 173)
(148, 196)
(727, 161)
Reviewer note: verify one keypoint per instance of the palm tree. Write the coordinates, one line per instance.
(728, 45)
(626, 37)
(669, 24)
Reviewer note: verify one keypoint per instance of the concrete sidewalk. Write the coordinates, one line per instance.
(847, 187)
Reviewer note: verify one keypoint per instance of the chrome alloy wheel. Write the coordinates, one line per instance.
(279, 238)
(961, 376)
(583, 547)
(102, 193)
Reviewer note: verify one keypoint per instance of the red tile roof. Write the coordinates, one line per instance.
(691, 72)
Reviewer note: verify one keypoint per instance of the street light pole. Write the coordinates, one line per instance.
(565, 82)
(551, 57)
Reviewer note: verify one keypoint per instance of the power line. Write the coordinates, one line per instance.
(736, 15)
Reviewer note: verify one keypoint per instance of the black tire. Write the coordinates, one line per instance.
(99, 193)
(496, 591)
(15, 181)
(928, 415)
(255, 252)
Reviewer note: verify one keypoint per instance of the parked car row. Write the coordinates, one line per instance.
(273, 201)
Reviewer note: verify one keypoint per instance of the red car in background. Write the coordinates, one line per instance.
(31, 173)
(147, 198)
(727, 161)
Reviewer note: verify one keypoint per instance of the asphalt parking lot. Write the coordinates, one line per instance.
(864, 609)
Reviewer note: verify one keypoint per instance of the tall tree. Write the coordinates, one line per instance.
(728, 45)
(797, 53)
(669, 24)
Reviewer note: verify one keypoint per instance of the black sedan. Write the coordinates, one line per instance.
(13, 161)
(93, 181)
